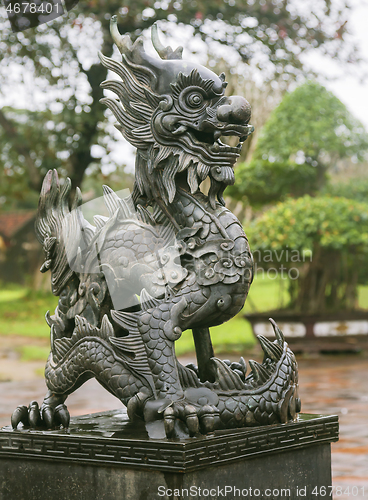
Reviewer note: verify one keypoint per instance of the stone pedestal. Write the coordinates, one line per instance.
(105, 457)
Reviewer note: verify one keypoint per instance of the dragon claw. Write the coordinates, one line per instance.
(207, 416)
(35, 417)
(169, 421)
(196, 418)
(20, 415)
(62, 415)
(48, 415)
(191, 419)
(135, 405)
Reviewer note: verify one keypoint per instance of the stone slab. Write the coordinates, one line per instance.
(98, 459)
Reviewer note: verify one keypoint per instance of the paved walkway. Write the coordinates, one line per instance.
(328, 384)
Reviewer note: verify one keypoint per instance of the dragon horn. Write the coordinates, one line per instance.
(162, 51)
(123, 43)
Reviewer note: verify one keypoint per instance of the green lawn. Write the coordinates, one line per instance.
(363, 296)
(22, 313)
(33, 353)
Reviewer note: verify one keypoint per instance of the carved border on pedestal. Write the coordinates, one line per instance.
(172, 456)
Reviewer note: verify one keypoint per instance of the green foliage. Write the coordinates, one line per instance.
(325, 239)
(306, 134)
(311, 126)
(22, 311)
(278, 29)
(34, 353)
(29, 147)
(333, 223)
(263, 183)
(275, 28)
(354, 189)
(117, 180)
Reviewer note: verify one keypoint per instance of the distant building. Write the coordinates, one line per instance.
(20, 252)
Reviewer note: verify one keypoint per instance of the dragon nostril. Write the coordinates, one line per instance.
(224, 113)
(237, 110)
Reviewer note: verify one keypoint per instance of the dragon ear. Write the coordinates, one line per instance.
(164, 52)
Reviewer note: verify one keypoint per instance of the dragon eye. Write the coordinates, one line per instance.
(194, 100)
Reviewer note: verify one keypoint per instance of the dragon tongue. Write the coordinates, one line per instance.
(260, 373)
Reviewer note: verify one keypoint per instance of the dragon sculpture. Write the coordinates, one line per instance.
(167, 258)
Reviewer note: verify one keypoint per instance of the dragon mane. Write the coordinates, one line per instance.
(139, 96)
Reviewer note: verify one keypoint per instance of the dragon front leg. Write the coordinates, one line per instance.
(160, 326)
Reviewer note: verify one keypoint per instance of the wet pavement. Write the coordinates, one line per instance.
(334, 384)
(338, 385)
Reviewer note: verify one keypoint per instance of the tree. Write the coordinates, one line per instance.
(324, 240)
(354, 189)
(30, 146)
(307, 134)
(61, 73)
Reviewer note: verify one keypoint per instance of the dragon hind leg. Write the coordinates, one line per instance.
(90, 352)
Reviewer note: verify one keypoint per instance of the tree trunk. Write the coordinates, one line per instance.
(328, 284)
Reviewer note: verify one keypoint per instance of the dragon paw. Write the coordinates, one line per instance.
(198, 419)
(49, 416)
(196, 409)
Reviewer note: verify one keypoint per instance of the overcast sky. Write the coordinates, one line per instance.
(349, 89)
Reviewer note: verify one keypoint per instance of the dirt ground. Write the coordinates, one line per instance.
(334, 384)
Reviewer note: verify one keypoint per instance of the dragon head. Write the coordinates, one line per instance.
(174, 112)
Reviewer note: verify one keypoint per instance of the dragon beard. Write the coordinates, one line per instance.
(157, 167)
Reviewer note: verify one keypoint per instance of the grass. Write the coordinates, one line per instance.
(33, 353)
(266, 294)
(363, 296)
(22, 313)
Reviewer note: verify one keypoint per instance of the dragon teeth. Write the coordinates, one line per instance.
(273, 351)
(260, 373)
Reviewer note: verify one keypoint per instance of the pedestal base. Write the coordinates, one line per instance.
(96, 459)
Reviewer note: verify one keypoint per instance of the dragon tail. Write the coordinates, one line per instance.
(60, 229)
